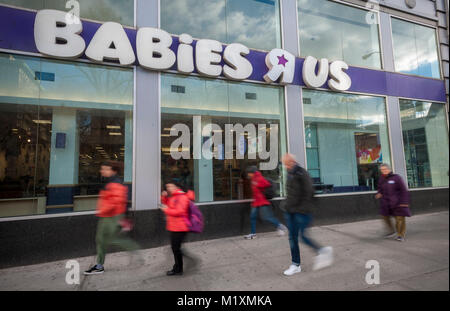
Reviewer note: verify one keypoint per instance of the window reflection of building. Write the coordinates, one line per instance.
(417, 160)
(425, 141)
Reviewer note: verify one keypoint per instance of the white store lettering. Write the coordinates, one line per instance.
(110, 42)
(57, 38)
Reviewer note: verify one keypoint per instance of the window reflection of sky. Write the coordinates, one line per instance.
(415, 49)
(338, 32)
(121, 11)
(254, 23)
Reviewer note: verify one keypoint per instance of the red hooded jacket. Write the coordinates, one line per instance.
(113, 199)
(259, 184)
(177, 210)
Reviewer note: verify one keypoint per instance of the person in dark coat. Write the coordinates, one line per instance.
(298, 208)
(394, 202)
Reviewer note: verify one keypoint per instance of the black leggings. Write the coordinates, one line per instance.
(176, 239)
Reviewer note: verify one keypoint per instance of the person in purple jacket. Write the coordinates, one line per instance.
(394, 201)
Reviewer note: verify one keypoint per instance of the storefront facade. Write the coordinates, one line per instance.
(112, 91)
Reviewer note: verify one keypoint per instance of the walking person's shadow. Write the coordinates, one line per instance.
(191, 262)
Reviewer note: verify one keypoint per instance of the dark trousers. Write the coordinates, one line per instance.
(299, 223)
(267, 215)
(176, 239)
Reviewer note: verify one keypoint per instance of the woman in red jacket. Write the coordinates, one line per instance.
(176, 207)
(260, 203)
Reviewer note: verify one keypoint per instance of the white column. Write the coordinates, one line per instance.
(203, 168)
(147, 146)
(64, 161)
(128, 162)
(293, 93)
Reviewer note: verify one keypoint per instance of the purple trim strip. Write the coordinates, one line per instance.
(17, 33)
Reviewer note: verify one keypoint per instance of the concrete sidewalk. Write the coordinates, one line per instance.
(419, 263)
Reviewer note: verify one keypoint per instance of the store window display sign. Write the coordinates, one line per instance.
(55, 37)
(17, 33)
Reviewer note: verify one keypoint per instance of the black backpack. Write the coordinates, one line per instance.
(270, 192)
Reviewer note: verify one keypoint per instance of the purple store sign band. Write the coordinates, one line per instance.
(17, 29)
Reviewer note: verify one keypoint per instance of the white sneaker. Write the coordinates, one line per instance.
(282, 230)
(293, 269)
(250, 236)
(324, 259)
(390, 235)
(326, 250)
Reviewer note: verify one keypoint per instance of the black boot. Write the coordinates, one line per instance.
(174, 272)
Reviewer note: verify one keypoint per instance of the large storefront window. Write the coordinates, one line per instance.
(425, 139)
(338, 32)
(254, 23)
(196, 103)
(120, 11)
(58, 122)
(346, 140)
(415, 49)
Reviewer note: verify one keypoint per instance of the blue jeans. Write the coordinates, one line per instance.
(267, 215)
(296, 223)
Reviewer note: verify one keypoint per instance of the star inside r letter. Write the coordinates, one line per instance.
(282, 60)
